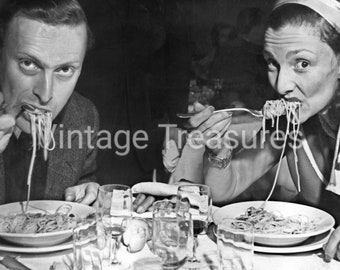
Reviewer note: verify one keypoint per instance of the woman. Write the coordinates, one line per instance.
(302, 49)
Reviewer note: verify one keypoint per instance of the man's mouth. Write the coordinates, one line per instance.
(29, 109)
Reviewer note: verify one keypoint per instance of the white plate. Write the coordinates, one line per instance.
(80, 211)
(324, 224)
(36, 250)
(312, 243)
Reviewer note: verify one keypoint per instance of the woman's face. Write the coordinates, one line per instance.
(301, 67)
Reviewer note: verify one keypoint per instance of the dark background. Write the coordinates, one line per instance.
(138, 73)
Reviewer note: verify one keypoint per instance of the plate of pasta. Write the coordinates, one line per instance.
(278, 223)
(44, 223)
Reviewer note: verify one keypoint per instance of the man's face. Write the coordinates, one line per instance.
(40, 65)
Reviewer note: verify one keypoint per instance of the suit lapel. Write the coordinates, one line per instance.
(60, 166)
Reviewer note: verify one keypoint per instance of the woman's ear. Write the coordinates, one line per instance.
(338, 67)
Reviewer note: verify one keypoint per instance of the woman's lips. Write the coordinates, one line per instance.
(293, 99)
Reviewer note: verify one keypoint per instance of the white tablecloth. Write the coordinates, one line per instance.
(145, 260)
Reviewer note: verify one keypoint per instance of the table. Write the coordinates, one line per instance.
(145, 260)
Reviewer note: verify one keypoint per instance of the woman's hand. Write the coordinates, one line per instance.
(332, 248)
(208, 128)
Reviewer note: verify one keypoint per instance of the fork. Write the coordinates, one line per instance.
(255, 113)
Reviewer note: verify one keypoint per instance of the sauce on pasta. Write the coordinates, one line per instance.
(41, 222)
(274, 223)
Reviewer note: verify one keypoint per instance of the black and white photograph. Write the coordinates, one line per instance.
(169, 134)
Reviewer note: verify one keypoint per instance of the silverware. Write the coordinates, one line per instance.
(255, 113)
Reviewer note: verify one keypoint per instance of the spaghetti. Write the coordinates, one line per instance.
(39, 222)
(42, 136)
(274, 223)
(272, 110)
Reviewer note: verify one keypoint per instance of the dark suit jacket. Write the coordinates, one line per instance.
(67, 166)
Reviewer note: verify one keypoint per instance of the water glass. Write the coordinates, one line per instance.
(91, 246)
(115, 209)
(172, 234)
(235, 244)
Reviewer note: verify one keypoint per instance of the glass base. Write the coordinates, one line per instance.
(195, 264)
(118, 266)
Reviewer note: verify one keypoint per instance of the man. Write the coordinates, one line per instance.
(42, 48)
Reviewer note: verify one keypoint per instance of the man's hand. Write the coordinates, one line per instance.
(83, 193)
(149, 192)
(7, 123)
(332, 248)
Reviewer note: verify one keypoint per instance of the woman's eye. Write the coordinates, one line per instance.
(28, 65)
(301, 65)
(65, 71)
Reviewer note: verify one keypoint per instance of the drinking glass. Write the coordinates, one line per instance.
(235, 244)
(115, 209)
(171, 234)
(199, 200)
(91, 246)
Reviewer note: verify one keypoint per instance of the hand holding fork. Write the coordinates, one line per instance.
(7, 123)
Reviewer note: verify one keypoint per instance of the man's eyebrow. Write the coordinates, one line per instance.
(75, 63)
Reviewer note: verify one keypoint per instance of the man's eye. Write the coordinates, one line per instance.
(65, 71)
(28, 65)
(302, 65)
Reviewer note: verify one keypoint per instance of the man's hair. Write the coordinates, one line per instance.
(299, 15)
(52, 12)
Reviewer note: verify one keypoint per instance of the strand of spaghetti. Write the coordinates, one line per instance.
(296, 134)
(280, 161)
(30, 171)
(49, 132)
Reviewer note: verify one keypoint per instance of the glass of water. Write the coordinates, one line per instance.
(115, 209)
(235, 244)
(91, 246)
(172, 234)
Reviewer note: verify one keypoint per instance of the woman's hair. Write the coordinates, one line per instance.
(299, 15)
(52, 12)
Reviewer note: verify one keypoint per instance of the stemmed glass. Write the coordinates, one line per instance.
(199, 199)
(115, 208)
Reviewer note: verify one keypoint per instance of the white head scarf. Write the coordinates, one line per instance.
(328, 9)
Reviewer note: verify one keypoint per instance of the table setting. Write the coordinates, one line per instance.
(187, 232)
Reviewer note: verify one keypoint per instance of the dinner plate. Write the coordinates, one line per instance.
(312, 243)
(79, 211)
(323, 221)
(11, 248)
